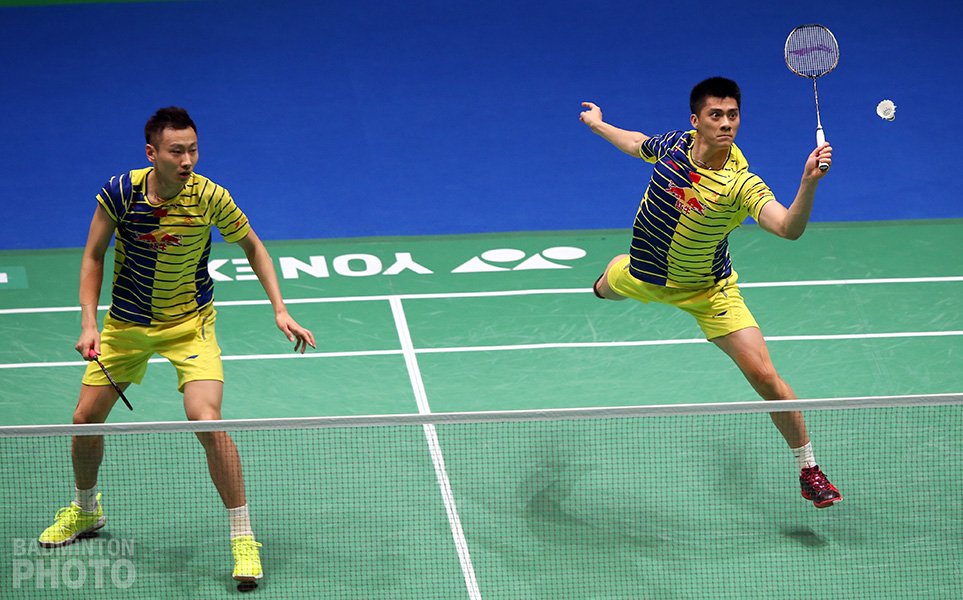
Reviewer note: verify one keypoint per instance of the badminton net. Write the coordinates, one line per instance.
(657, 502)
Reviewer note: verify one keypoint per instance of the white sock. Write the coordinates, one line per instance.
(86, 499)
(240, 520)
(804, 456)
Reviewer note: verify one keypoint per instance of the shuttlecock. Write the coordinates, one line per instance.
(886, 110)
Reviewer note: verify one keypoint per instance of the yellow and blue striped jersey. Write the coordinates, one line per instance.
(680, 235)
(161, 252)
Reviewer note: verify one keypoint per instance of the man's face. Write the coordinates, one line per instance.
(718, 121)
(174, 156)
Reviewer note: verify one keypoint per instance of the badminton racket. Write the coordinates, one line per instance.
(812, 51)
(93, 356)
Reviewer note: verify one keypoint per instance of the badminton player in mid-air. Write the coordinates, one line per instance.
(162, 302)
(701, 189)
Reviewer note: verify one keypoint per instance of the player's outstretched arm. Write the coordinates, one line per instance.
(91, 278)
(791, 223)
(260, 261)
(629, 142)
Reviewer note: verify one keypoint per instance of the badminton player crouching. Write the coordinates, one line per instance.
(701, 189)
(162, 301)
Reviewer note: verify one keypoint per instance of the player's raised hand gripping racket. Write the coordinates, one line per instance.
(812, 51)
(93, 356)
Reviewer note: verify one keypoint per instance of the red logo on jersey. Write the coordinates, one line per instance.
(694, 204)
(686, 200)
(160, 239)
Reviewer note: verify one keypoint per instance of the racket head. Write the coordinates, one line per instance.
(811, 51)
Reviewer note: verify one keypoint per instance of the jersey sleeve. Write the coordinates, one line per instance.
(752, 195)
(658, 146)
(230, 221)
(115, 197)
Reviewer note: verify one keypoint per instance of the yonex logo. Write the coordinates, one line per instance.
(510, 259)
(191, 357)
(368, 265)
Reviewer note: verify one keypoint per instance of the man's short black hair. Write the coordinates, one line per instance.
(714, 87)
(174, 117)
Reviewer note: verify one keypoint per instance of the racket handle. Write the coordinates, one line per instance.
(820, 140)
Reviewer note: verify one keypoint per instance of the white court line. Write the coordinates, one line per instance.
(546, 346)
(434, 447)
(325, 300)
(285, 356)
(769, 338)
(888, 280)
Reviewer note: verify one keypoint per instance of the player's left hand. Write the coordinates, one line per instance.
(592, 115)
(822, 154)
(301, 337)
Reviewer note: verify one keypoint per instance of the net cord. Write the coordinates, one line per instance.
(616, 412)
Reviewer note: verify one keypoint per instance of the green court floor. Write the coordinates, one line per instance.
(818, 288)
(674, 507)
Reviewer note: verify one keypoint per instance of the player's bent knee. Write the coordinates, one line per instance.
(82, 418)
(88, 413)
(766, 380)
(94, 404)
(761, 374)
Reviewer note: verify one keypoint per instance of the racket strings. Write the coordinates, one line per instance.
(811, 51)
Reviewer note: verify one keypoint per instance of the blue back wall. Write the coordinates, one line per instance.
(334, 119)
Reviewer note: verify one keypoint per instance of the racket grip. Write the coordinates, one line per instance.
(820, 140)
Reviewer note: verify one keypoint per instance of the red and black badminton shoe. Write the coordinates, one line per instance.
(817, 488)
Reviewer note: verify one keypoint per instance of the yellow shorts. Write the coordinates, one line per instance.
(190, 345)
(719, 310)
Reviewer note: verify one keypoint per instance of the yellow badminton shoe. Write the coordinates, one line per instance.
(72, 523)
(247, 559)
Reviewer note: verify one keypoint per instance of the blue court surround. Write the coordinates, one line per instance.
(370, 118)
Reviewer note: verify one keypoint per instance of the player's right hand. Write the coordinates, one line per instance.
(822, 154)
(89, 342)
